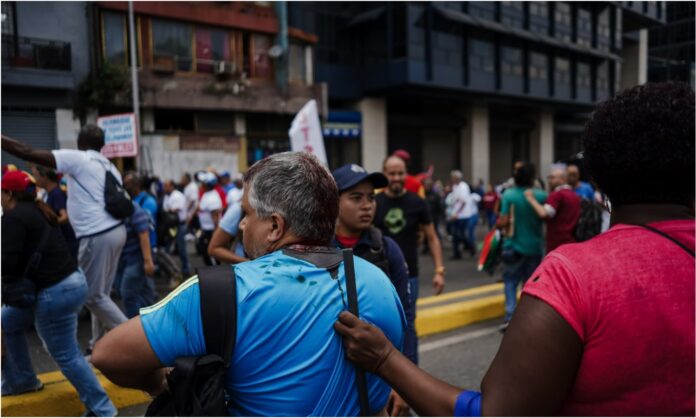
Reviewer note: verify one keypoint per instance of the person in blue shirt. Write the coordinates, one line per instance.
(133, 183)
(582, 188)
(288, 359)
(354, 229)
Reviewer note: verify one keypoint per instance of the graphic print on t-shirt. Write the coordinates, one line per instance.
(395, 220)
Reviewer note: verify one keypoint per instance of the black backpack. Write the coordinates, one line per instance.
(117, 201)
(374, 252)
(590, 220)
(197, 384)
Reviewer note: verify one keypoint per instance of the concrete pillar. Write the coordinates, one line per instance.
(373, 148)
(67, 128)
(475, 145)
(634, 70)
(241, 131)
(543, 142)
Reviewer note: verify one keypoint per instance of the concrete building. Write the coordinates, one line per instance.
(671, 47)
(471, 85)
(45, 55)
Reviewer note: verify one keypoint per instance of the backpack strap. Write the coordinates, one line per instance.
(218, 292)
(657, 231)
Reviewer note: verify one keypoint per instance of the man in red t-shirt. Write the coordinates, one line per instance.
(561, 210)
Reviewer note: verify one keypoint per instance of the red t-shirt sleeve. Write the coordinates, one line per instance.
(554, 200)
(555, 283)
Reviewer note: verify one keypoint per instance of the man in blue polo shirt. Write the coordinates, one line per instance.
(288, 360)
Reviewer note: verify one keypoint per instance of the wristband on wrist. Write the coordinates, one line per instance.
(468, 404)
(440, 270)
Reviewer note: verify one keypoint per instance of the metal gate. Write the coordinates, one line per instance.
(36, 128)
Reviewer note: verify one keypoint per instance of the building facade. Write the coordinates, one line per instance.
(473, 85)
(671, 47)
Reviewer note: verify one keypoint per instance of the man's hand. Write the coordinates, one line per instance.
(365, 344)
(396, 406)
(438, 283)
(149, 266)
(529, 194)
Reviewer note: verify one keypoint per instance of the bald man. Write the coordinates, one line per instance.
(561, 210)
(400, 215)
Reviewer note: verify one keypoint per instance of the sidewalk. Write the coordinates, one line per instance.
(469, 297)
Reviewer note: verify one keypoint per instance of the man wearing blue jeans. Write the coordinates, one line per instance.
(522, 248)
(464, 215)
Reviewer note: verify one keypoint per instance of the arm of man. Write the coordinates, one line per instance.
(538, 209)
(27, 152)
(436, 252)
(148, 264)
(219, 247)
(532, 373)
(503, 217)
(125, 357)
(62, 217)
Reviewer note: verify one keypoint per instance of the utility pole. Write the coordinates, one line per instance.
(281, 69)
(134, 80)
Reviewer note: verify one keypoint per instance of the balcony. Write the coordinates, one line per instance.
(31, 62)
(18, 51)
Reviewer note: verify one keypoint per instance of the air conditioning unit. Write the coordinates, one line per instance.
(224, 68)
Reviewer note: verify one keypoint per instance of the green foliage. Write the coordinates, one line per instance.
(100, 89)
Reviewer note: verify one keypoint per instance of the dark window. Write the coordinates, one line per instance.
(483, 9)
(603, 80)
(512, 14)
(174, 120)
(8, 17)
(482, 56)
(172, 45)
(262, 67)
(511, 63)
(399, 31)
(538, 17)
(584, 76)
(563, 21)
(562, 71)
(212, 47)
(538, 66)
(115, 38)
(603, 31)
(215, 122)
(584, 28)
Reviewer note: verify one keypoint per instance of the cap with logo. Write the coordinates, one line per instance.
(351, 174)
(17, 181)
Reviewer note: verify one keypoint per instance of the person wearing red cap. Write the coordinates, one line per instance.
(34, 249)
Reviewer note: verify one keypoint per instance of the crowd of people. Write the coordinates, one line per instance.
(282, 239)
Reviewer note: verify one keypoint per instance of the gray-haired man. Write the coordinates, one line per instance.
(288, 360)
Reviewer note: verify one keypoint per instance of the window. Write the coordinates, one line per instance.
(261, 67)
(298, 60)
(8, 18)
(562, 71)
(172, 45)
(584, 78)
(481, 58)
(511, 63)
(563, 23)
(584, 28)
(538, 64)
(539, 17)
(603, 80)
(603, 31)
(483, 9)
(115, 38)
(512, 14)
(538, 8)
(212, 46)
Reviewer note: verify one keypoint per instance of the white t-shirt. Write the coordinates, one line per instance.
(191, 194)
(234, 196)
(464, 205)
(210, 202)
(85, 206)
(175, 201)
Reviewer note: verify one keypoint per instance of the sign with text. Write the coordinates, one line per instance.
(305, 132)
(120, 135)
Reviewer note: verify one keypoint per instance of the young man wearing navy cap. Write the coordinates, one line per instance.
(356, 188)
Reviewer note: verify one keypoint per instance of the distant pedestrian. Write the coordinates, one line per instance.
(175, 202)
(30, 227)
(190, 190)
(135, 185)
(209, 212)
(490, 202)
(582, 188)
(523, 248)
(464, 215)
(101, 235)
(226, 243)
(561, 210)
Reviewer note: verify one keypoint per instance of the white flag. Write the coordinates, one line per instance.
(305, 132)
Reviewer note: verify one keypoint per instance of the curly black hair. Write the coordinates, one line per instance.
(639, 145)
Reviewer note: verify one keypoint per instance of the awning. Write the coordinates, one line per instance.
(342, 124)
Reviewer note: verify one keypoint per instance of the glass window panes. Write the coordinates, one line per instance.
(115, 38)
(481, 57)
(584, 78)
(172, 45)
(212, 49)
(538, 64)
(262, 66)
(511, 61)
(562, 71)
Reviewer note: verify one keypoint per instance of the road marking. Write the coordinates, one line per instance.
(456, 339)
(430, 300)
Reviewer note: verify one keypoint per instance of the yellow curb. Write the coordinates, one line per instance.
(430, 300)
(444, 318)
(59, 398)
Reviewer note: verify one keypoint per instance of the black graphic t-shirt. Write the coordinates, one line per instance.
(400, 218)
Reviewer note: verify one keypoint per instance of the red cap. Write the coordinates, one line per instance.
(16, 181)
(403, 154)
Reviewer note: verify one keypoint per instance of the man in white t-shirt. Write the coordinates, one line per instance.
(464, 215)
(175, 202)
(234, 196)
(101, 236)
(191, 194)
(209, 211)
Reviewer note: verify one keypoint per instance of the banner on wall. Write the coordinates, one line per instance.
(120, 135)
(305, 132)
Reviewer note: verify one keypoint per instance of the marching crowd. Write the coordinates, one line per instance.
(76, 231)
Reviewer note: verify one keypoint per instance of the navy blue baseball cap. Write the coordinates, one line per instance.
(351, 174)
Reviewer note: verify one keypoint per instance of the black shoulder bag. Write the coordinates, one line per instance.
(658, 232)
(197, 384)
(117, 202)
(22, 293)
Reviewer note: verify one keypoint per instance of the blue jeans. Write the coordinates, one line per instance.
(459, 236)
(518, 268)
(492, 217)
(136, 289)
(55, 318)
(410, 337)
(181, 248)
(471, 232)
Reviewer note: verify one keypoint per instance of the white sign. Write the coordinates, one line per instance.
(120, 135)
(305, 132)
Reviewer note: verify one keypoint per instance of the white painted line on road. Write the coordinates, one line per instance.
(456, 339)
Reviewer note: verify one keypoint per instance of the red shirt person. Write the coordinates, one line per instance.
(561, 210)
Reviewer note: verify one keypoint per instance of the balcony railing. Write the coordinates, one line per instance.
(19, 51)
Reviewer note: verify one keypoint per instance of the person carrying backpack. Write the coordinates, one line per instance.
(287, 359)
(95, 190)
